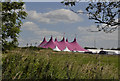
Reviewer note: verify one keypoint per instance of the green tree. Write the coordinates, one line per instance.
(12, 15)
(105, 13)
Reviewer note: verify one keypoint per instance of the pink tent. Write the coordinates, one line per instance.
(56, 39)
(67, 40)
(72, 46)
(50, 44)
(57, 43)
(76, 46)
(63, 44)
(43, 43)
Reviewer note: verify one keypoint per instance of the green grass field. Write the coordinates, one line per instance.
(47, 64)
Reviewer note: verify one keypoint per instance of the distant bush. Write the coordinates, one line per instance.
(50, 48)
(115, 48)
(90, 48)
(33, 48)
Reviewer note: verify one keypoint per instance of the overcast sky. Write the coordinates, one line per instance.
(53, 18)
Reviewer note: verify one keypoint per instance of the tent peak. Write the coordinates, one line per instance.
(51, 39)
(44, 38)
(66, 39)
(43, 42)
(63, 39)
(74, 39)
(56, 39)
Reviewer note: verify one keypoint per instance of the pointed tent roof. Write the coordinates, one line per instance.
(76, 46)
(72, 46)
(43, 42)
(50, 44)
(63, 44)
(67, 40)
(63, 40)
(74, 40)
(56, 39)
(56, 49)
(66, 49)
(57, 43)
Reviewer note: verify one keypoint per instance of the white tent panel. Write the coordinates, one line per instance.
(94, 50)
(66, 49)
(81, 51)
(56, 49)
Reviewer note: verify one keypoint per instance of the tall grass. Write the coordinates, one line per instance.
(47, 64)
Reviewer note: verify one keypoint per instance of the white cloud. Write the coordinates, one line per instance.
(34, 28)
(55, 16)
(80, 11)
(30, 26)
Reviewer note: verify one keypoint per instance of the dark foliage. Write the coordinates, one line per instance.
(12, 15)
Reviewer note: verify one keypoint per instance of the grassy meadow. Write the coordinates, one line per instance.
(33, 63)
